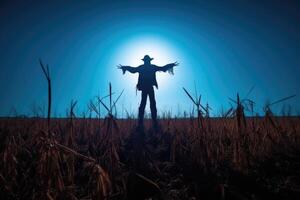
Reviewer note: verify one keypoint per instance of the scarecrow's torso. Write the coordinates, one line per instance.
(147, 77)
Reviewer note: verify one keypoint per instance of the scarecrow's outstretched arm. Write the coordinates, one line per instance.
(128, 68)
(168, 67)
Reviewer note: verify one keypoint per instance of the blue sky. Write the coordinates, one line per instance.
(222, 47)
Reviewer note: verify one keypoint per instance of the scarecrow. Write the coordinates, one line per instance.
(146, 81)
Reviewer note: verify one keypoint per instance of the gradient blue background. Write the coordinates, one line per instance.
(223, 47)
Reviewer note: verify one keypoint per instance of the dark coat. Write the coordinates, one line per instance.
(147, 74)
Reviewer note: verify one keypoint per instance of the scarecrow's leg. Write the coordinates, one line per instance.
(142, 107)
(153, 106)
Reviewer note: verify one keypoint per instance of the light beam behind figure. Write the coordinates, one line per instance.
(159, 48)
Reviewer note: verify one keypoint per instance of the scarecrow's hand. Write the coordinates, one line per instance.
(169, 67)
(175, 64)
(123, 68)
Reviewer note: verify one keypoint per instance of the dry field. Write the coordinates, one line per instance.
(206, 158)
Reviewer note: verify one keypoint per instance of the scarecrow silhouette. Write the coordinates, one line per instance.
(146, 81)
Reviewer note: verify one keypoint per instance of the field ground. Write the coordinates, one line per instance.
(222, 158)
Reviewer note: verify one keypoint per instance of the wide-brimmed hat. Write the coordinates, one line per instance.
(147, 58)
